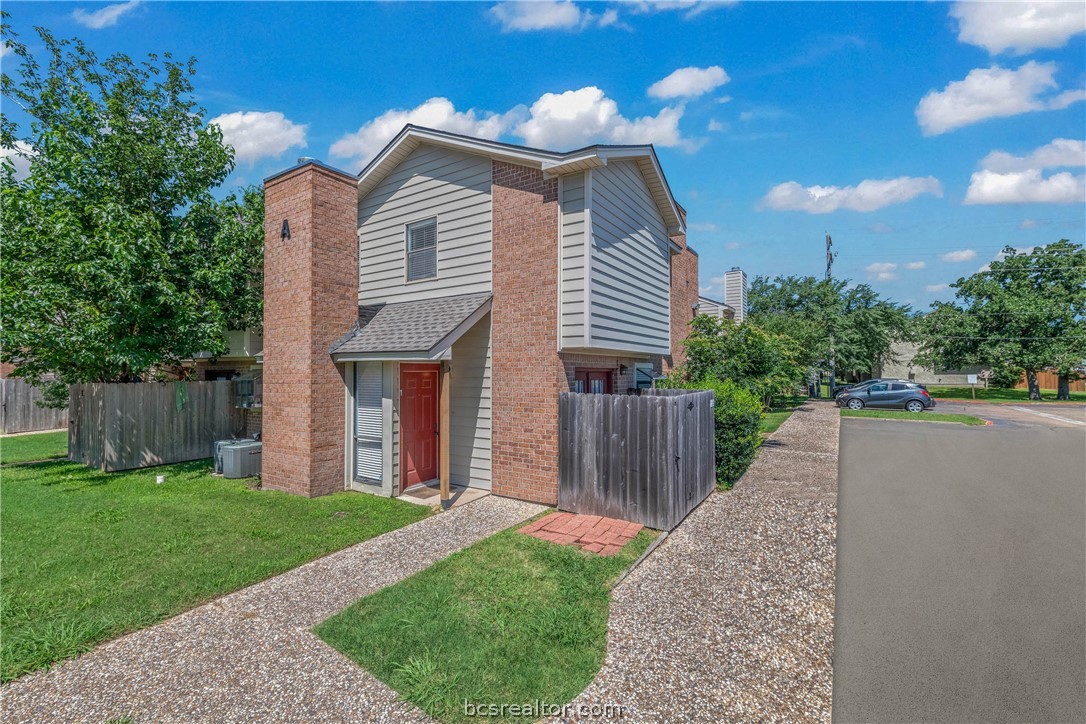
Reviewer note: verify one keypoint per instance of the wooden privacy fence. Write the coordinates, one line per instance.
(648, 459)
(21, 410)
(115, 426)
(1049, 380)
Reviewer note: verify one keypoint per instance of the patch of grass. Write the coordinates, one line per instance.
(511, 619)
(90, 555)
(993, 394)
(39, 446)
(780, 412)
(914, 416)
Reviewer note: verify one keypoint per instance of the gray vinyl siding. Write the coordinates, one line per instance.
(394, 433)
(630, 296)
(572, 319)
(430, 182)
(469, 398)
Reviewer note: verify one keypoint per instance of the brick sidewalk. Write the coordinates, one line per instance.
(594, 533)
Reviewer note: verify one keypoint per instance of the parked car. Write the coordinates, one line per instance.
(900, 394)
(838, 389)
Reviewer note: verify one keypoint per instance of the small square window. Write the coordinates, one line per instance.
(422, 250)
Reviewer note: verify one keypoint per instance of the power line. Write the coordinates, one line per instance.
(991, 339)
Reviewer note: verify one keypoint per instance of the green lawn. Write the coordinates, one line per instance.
(511, 619)
(39, 446)
(88, 555)
(993, 394)
(914, 416)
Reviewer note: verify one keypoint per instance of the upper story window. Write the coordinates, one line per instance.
(422, 250)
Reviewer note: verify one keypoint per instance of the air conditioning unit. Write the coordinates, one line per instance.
(216, 453)
(241, 459)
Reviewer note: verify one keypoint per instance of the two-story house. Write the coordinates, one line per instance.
(461, 284)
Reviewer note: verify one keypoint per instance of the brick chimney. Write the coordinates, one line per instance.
(310, 300)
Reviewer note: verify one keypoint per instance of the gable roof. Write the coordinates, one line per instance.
(552, 163)
(422, 329)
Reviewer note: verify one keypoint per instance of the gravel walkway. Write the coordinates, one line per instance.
(731, 618)
(250, 656)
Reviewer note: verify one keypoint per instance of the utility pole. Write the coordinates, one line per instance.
(829, 278)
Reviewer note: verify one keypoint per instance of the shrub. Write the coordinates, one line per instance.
(738, 416)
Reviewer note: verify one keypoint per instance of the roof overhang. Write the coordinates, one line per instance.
(438, 350)
(550, 162)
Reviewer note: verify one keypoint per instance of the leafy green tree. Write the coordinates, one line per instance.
(764, 363)
(1025, 312)
(117, 260)
(831, 320)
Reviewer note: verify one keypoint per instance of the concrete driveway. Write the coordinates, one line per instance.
(961, 570)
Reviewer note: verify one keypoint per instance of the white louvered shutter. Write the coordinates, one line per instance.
(367, 421)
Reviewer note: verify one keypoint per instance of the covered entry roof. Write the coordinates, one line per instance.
(423, 329)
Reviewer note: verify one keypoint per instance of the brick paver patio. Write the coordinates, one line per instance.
(605, 536)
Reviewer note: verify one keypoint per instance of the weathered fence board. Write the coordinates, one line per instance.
(126, 426)
(21, 412)
(648, 459)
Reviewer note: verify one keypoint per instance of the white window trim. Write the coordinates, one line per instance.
(407, 250)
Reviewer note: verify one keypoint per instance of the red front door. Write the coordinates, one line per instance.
(418, 423)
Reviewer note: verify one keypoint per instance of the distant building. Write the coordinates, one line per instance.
(714, 308)
(735, 292)
(902, 367)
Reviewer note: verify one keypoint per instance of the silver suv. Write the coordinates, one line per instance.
(893, 394)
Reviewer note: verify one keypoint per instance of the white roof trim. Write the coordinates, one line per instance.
(550, 162)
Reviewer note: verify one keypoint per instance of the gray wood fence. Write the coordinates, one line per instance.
(126, 426)
(648, 459)
(21, 410)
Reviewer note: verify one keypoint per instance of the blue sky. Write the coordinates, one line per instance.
(923, 136)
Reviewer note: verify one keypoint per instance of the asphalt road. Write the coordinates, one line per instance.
(961, 570)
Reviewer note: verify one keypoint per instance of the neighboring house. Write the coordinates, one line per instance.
(903, 368)
(243, 348)
(464, 282)
(713, 308)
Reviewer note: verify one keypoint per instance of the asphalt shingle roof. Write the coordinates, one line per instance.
(407, 326)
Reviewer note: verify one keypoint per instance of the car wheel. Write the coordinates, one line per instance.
(914, 406)
(855, 404)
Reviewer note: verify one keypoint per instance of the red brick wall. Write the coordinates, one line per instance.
(526, 370)
(684, 295)
(310, 300)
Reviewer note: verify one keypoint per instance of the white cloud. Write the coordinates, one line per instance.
(732, 245)
(915, 265)
(256, 135)
(1025, 187)
(955, 257)
(881, 271)
(689, 9)
(689, 82)
(1018, 27)
(559, 121)
(879, 228)
(1060, 152)
(4, 49)
(19, 158)
(716, 126)
(106, 17)
(1008, 179)
(724, 99)
(868, 195)
(706, 227)
(992, 93)
(580, 117)
(1033, 223)
(439, 113)
(936, 287)
(521, 16)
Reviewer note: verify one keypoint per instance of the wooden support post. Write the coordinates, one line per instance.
(443, 437)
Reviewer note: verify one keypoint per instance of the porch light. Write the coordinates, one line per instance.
(623, 369)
